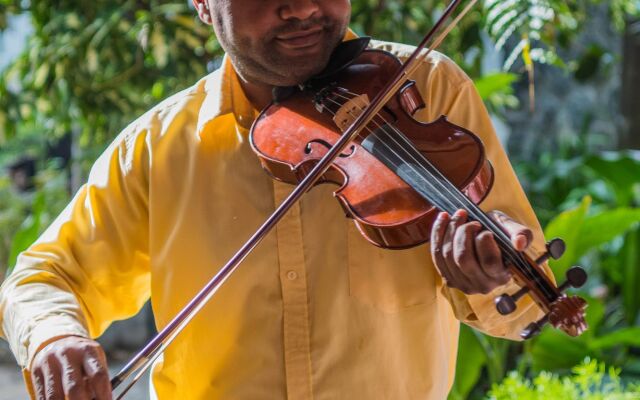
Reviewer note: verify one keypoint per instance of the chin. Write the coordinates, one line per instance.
(296, 73)
(293, 80)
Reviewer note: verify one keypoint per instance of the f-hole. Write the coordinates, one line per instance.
(308, 149)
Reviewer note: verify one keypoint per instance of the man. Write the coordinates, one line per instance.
(315, 311)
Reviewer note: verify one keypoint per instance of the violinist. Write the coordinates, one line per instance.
(315, 311)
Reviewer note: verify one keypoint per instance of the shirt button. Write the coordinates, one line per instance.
(292, 275)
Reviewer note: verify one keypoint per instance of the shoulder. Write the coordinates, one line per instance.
(166, 122)
(435, 67)
(185, 104)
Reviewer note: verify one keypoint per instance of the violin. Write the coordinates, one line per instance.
(353, 125)
(398, 173)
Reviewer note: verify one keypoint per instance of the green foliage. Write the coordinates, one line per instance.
(29, 230)
(537, 29)
(23, 217)
(92, 67)
(529, 30)
(590, 381)
(13, 210)
(590, 200)
(496, 90)
(601, 232)
(409, 20)
(583, 232)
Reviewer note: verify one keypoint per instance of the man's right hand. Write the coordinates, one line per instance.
(73, 368)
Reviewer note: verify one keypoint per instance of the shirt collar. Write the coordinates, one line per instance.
(224, 95)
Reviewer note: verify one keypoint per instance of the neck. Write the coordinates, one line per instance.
(259, 94)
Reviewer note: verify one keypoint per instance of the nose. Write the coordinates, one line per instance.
(299, 9)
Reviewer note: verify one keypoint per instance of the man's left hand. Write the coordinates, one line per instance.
(467, 257)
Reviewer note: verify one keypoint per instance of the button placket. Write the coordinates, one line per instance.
(294, 297)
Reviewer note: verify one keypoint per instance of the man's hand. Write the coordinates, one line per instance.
(73, 368)
(468, 258)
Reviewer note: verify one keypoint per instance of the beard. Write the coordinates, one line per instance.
(266, 61)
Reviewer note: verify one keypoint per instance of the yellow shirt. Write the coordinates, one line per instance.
(314, 312)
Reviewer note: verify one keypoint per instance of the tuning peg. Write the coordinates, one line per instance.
(506, 304)
(576, 277)
(555, 250)
(534, 328)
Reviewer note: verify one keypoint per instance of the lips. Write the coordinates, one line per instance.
(300, 39)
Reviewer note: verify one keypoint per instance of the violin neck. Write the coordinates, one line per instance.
(398, 153)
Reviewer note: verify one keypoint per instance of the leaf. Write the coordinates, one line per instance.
(604, 227)
(41, 75)
(157, 91)
(582, 233)
(621, 170)
(72, 21)
(554, 350)
(29, 231)
(595, 314)
(92, 60)
(491, 84)
(159, 48)
(620, 337)
(567, 226)
(630, 256)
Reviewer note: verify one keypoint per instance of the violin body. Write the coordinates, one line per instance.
(290, 136)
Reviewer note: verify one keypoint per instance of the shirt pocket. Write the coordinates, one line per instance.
(390, 280)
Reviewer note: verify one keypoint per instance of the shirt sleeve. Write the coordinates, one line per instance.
(450, 92)
(91, 266)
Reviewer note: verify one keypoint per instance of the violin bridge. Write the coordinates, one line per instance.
(350, 110)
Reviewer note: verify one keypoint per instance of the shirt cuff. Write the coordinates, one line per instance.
(46, 331)
(479, 311)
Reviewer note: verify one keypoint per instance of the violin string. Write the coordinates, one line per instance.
(447, 185)
(475, 211)
(452, 192)
(510, 253)
(444, 201)
(509, 256)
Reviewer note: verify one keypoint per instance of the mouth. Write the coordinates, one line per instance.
(301, 40)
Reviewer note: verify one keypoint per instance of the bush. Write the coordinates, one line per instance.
(591, 380)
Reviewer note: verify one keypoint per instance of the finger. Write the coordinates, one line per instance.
(73, 379)
(37, 379)
(490, 259)
(464, 255)
(437, 236)
(458, 278)
(520, 235)
(97, 373)
(52, 379)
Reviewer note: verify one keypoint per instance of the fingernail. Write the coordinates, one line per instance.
(442, 215)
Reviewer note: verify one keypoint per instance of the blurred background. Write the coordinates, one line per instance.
(560, 78)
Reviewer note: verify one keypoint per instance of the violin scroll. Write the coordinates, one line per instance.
(567, 314)
(563, 312)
